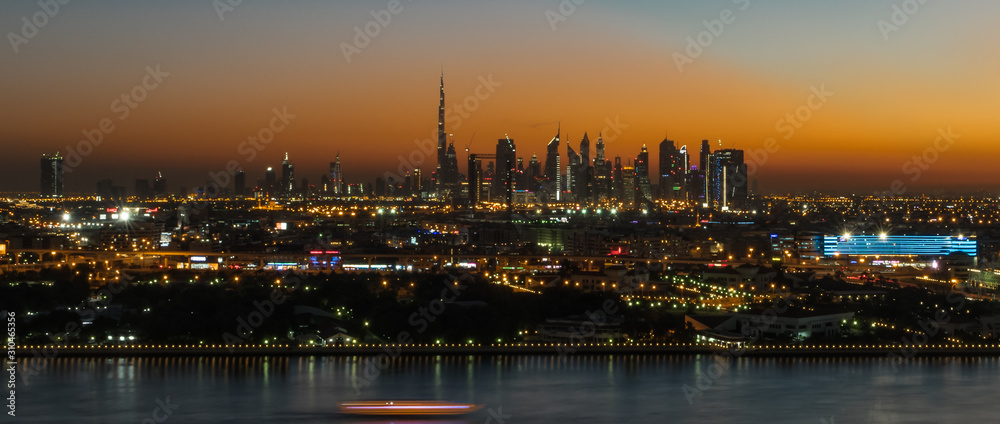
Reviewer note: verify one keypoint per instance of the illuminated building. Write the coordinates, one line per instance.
(336, 177)
(642, 176)
(672, 170)
(506, 159)
(602, 173)
(442, 138)
(727, 179)
(287, 176)
(552, 166)
(889, 245)
(52, 176)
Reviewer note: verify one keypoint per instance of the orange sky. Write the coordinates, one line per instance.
(604, 62)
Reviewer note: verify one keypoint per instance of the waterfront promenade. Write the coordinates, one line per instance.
(509, 349)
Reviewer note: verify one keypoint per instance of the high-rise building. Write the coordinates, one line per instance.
(336, 177)
(703, 159)
(160, 185)
(287, 176)
(617, 182)
(442, 139)
(270, 182)
(602, 173)
(727, 179)
(572, 167)
(417, 182)
(672, 171)
(533, 175)
(553, 168)
(240, 183)
(642, 176)
(52, 176)
(629, 185)
(584, 173)
(506, 157)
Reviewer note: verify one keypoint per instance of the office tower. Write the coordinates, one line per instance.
(418, 183)
(451, 167)
(380, 187)
(503, 184)
(705, 151)
(270, 182)
(584, 173)
(336, 177)
(672, 171)
(696, 186)
(602, 173)
(52, 176)
(287, 176)
(160, 185)
(142, 189)
(630, 187)
(553, 168)
(642, 176)
(240, 183)
(533, 175)
(727, 179)
(442, 138)
(618, 187)
(572, 166)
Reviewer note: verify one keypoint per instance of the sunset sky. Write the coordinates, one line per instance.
(605, 61)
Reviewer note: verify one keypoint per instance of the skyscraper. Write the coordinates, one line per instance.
(52, 176)
(336, 178)
(602, 173)
(572, 167)
(584, 172)
(672, 171)
(442, 138)
(642, 176)
(270, 183)
(503, 183)
(630, 188)
(703, 159)
(240, 183)
(553, 170)
(287, 176)
(727, 179)
(160, 185)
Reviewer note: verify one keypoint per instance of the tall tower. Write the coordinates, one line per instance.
(672, 172)
(442, 136)
(287, 176)
(52, 176)
(642, 175)
(336, 178)
(239, 183)
(552, 166)
(506, 160)
(572, 167)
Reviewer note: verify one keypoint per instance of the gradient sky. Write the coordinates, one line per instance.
(607, 60)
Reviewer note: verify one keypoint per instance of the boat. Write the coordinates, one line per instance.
(407, 407)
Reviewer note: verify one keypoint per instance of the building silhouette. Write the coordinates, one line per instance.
(52, 176)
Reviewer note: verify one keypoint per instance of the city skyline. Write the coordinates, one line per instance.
(200, 103)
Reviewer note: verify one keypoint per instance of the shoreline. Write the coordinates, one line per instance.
(765, 351)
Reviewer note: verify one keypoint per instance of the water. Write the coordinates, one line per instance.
(516, 389)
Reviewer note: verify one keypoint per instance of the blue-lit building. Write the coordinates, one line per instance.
(886, 245)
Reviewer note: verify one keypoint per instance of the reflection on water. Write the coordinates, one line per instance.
(602, 388)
